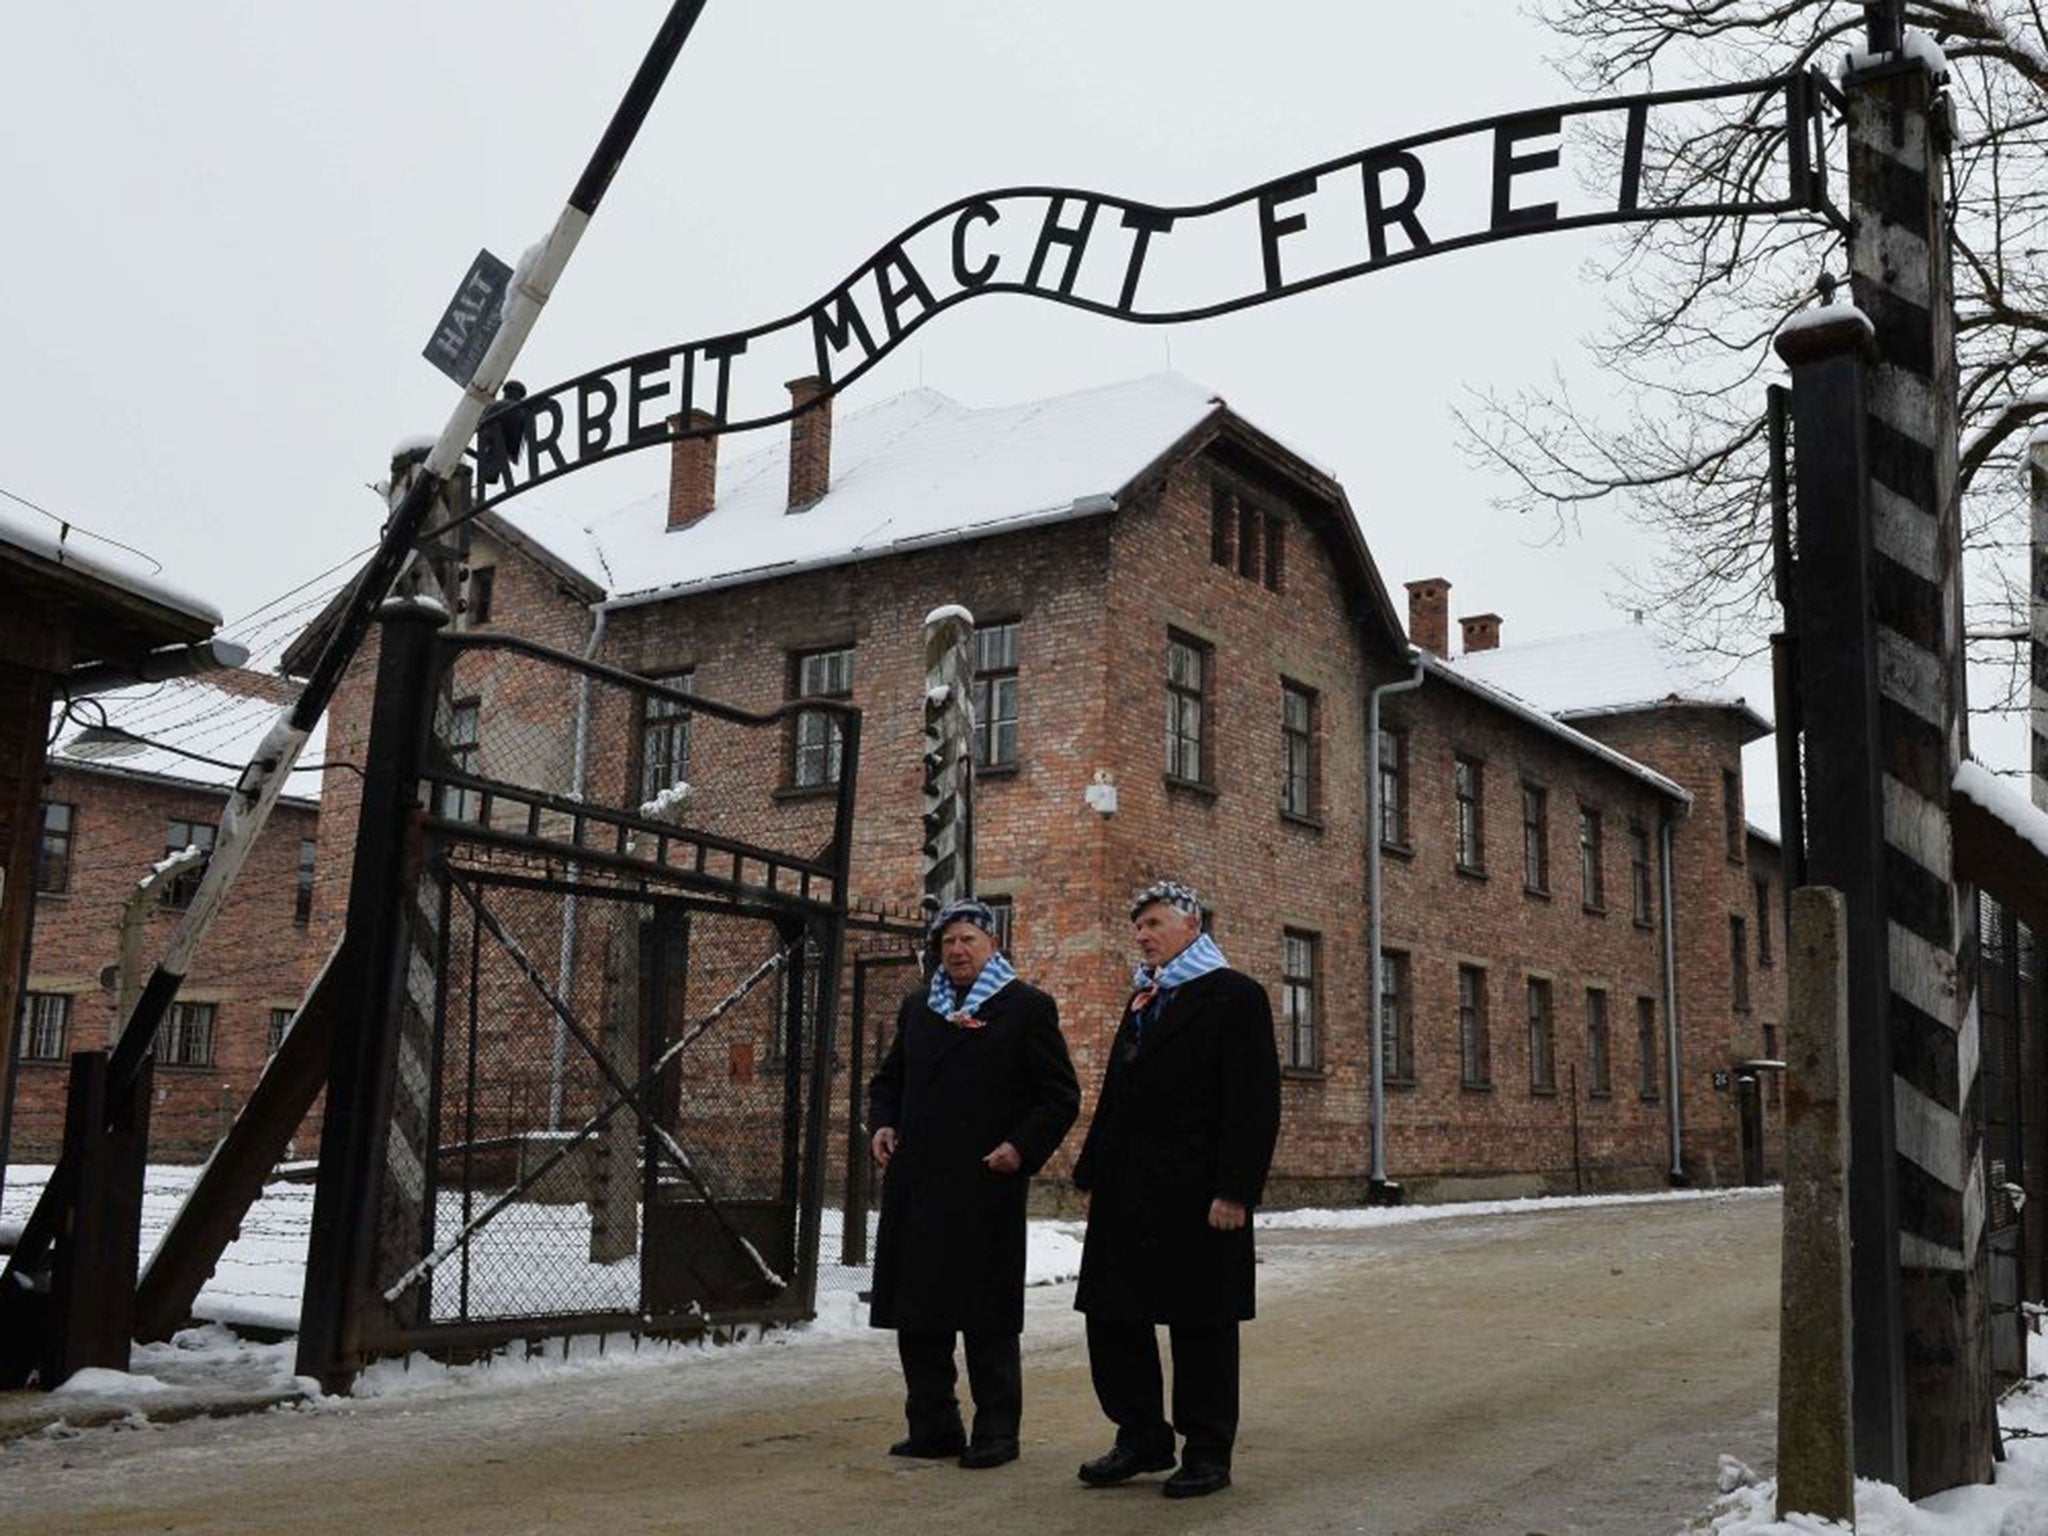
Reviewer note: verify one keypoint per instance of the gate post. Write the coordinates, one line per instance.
(1816, 1466)
(1827, 350)
(1899, 260)
(356, 1151)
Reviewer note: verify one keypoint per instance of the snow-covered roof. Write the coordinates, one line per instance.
(1611, 672)
(2010, 807)
(193, 715)
(109, 567)
(915, 469)
(1500, 698)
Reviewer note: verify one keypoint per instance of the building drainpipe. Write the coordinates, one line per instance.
(565, 956)
(1380, 1190)
(1671, 1072)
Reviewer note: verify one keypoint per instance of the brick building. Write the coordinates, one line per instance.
(1141, 554)
(75, 612)
(114, 806)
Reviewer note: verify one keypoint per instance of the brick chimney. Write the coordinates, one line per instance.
(1481, 632)
(810, 442)
(1429, 614)
(692, 472)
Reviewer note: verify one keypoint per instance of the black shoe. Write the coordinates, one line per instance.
(929, 1450)
(988, 1453)
(1120, 1464)
(1193, 1481)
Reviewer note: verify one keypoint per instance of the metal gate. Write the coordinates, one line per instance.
(2000, 993)
(601, 1046)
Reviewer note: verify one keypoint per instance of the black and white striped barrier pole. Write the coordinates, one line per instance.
(948, 756)
(1901, 278)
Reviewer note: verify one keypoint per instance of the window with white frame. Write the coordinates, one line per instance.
(45, 1025)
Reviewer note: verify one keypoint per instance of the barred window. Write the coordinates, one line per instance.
(1187, 705)
(1297, 750)
(1738, 962)
(465, 727)
(665, 737)
(1592, 870)
(302, 892)
(1298, 998)
(1542, 1038)
(1598, 1064)
(820, 734)
(1393, 772)
(1468, 777)
(280, 1021)
(1763, 923)
(1475, 1066)
(45, 1022)
(1535, 837)
(187, 1040)
(483, 583)
(1397, 1023)
(178, 836)
(1639, 872)
(53, 854)
(995, 696)
(1646, 1047)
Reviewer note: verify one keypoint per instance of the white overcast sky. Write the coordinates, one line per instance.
(233, 224)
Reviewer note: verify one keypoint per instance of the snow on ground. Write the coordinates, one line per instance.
(260, 1278)
(2015, 1504)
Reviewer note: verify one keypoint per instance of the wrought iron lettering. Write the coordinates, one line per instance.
(1498, 178)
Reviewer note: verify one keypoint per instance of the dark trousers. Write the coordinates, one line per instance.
(1123, 1359)
(995, 1375)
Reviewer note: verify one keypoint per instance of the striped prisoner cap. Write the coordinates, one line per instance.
(965, 910)
(1172, 893)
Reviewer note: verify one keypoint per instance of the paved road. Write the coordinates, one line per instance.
(1570, 1373)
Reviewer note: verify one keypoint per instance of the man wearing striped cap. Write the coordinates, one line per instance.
(1173, 1165)
(976, 1092)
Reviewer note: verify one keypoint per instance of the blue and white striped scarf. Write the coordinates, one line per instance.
(995, 976)
(1198, 959)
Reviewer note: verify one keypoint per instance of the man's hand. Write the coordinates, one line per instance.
(1005, 1159)
(882, 1146)
(1226, 1215)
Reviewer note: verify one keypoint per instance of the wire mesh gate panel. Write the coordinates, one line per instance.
(608, 1095)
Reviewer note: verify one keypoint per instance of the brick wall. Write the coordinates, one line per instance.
(1513, 931)
(1714, 881)
(1096, 601)
(255, 959)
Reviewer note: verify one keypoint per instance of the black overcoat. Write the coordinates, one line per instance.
(950, 1252)
(1188, 1113)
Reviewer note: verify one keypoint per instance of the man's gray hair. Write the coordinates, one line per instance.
(1171, 893)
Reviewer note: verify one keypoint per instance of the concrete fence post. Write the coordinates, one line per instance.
(1816, 1453)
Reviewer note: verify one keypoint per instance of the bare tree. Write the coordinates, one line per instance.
(1698, 301)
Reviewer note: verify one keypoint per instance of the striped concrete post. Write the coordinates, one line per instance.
(948, 756)
(1900, 269)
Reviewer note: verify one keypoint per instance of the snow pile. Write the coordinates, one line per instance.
(669, 805)
(2016, 1504)
(1355, 1218)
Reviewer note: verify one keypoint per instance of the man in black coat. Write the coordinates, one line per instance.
(975, 1094)
(1172, 1168)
